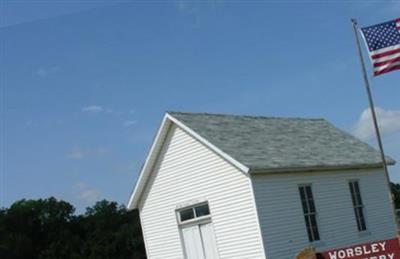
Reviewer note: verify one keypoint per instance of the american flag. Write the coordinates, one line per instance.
(383, 42)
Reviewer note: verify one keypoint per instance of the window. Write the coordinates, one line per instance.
(202, 210)
(310, 214)
(187, 214)
(358, 205)
(194, 212)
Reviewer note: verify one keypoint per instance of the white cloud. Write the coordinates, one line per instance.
(93, 108)
(189, 6)
(388, 120)
(129, 123)
(100, 151)
(194, 9)
(85, 193)
(45, 71)
(182, 5)
(76, 153)
(80, 153)
(125, 167)
(30, 123)
(109, 111)
(41, 72)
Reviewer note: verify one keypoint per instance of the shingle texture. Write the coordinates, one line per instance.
(270, 143)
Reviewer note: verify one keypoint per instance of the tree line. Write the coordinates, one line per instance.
(49, 229)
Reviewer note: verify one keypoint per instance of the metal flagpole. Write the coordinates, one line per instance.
(372, 108)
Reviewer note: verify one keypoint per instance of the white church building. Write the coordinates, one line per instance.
(248, 187)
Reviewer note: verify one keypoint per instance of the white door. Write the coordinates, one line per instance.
(208, 238)
(193, 243)
(200, 242)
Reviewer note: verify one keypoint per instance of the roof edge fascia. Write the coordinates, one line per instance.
(149, 162)
(317, 169)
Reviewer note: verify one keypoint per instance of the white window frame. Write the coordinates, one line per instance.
(195, 220)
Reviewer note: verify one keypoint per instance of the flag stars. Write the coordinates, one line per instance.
(382, 35)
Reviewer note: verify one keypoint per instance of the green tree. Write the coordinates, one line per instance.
(111, 232)
(48, 229)
(396, 194)
(28, 226)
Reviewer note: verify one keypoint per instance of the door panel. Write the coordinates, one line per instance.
(199, 241)
(208, 238)
(193, 243)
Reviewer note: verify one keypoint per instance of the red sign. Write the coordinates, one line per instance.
(385, 249)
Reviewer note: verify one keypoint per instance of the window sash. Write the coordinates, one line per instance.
(194, 213)
(310, 214)
(358, 205)
(186, 214)
(202, 210)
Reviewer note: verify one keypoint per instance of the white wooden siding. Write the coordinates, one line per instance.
(187, 170)
(281, 215)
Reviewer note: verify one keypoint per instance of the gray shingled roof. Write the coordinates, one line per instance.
(269, 143)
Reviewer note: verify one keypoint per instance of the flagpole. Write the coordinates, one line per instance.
(373, 113)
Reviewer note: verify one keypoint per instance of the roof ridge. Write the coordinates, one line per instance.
(244, 116)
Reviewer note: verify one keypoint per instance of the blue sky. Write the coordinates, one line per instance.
(85, 84)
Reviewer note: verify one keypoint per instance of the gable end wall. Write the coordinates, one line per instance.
(186, 170)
